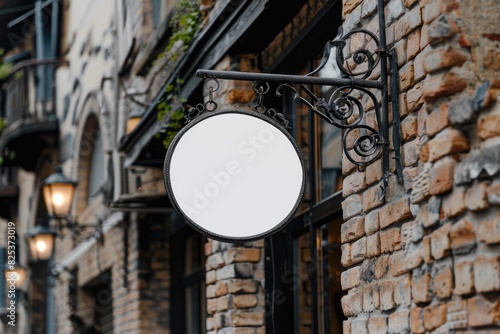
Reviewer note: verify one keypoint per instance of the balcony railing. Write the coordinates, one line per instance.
(28, 91)
(27, 108)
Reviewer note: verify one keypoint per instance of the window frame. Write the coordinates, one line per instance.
(181, 279)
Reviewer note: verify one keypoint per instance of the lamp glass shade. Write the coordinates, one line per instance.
(16, 276)
(41, 243)
(58, 198)
(41, 246)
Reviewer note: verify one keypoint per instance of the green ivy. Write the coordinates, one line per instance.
(5, 68)
(176, 117)
(184, 25)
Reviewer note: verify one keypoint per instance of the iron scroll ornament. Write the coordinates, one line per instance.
(362, 143)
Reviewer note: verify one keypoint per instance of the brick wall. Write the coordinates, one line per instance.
(235, 287)
(140, 293)
(428, 258)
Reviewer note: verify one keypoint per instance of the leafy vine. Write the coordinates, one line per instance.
(185, 24)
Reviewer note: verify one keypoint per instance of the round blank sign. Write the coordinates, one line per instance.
(234, 175)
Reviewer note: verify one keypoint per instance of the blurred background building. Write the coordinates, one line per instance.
(94, 91)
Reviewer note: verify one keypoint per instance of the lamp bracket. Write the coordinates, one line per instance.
(357, 56)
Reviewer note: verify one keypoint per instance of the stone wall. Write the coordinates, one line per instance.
(235, 287)
(427, 260)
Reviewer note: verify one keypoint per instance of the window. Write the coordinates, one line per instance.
(304, 267)
(188, 280)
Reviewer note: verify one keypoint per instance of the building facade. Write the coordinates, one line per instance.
(100, 88)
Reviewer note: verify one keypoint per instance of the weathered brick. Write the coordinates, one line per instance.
(397, 263)
(447, 142)
(437, 120)
(434, 316)
(406, 76)
(353, 183)
(222, 303)
(373, 197)
(347, 166)
(402, 290)
(399, 322)
(443, 282)
(457, 314)
(237, 270)
(349, 6)
(429, 214)
(220, 288)
(420, 188)
(408, 128)
(442, 28)
(352, 304)
(358, 250)
(488, 230)
(414, 98)
(211, 305)
(381, 266)
(426, 245)
(413, 44)
(373, 245)
(371, 297)
(242, 286)
(417, 321)
(483, 312)
(374, 172)
(449, 83)
(372, 222)
(410, 153)
(454, 203)
(394, 212)
(494, 193)
(440, 242)
(353, 229)
(346, 327)
(476, 197)
(215, 261)
(464, 277)
(487, 273)
(351, 206)
(359, 325)
(390, 240)
(414, 256)
(387, 295)
(400, 48)
(420, 288)
(246, 319)
(245, 301)
(377, 324)
(443, 58)
(346, 259)
(441, 176)
(461, 111)
(462, 236)
(350, 278)
(410, 21)
(240, 254)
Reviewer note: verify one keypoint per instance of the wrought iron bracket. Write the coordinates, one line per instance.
(357, 55)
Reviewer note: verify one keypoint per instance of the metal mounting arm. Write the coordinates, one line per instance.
(356, 60)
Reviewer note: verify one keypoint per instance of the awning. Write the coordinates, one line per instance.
(205, 52)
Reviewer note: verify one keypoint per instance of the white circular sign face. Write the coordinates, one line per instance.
(234, 175)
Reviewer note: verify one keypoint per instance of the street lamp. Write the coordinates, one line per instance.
(58, 192)
(41, 241)
(16, 275)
